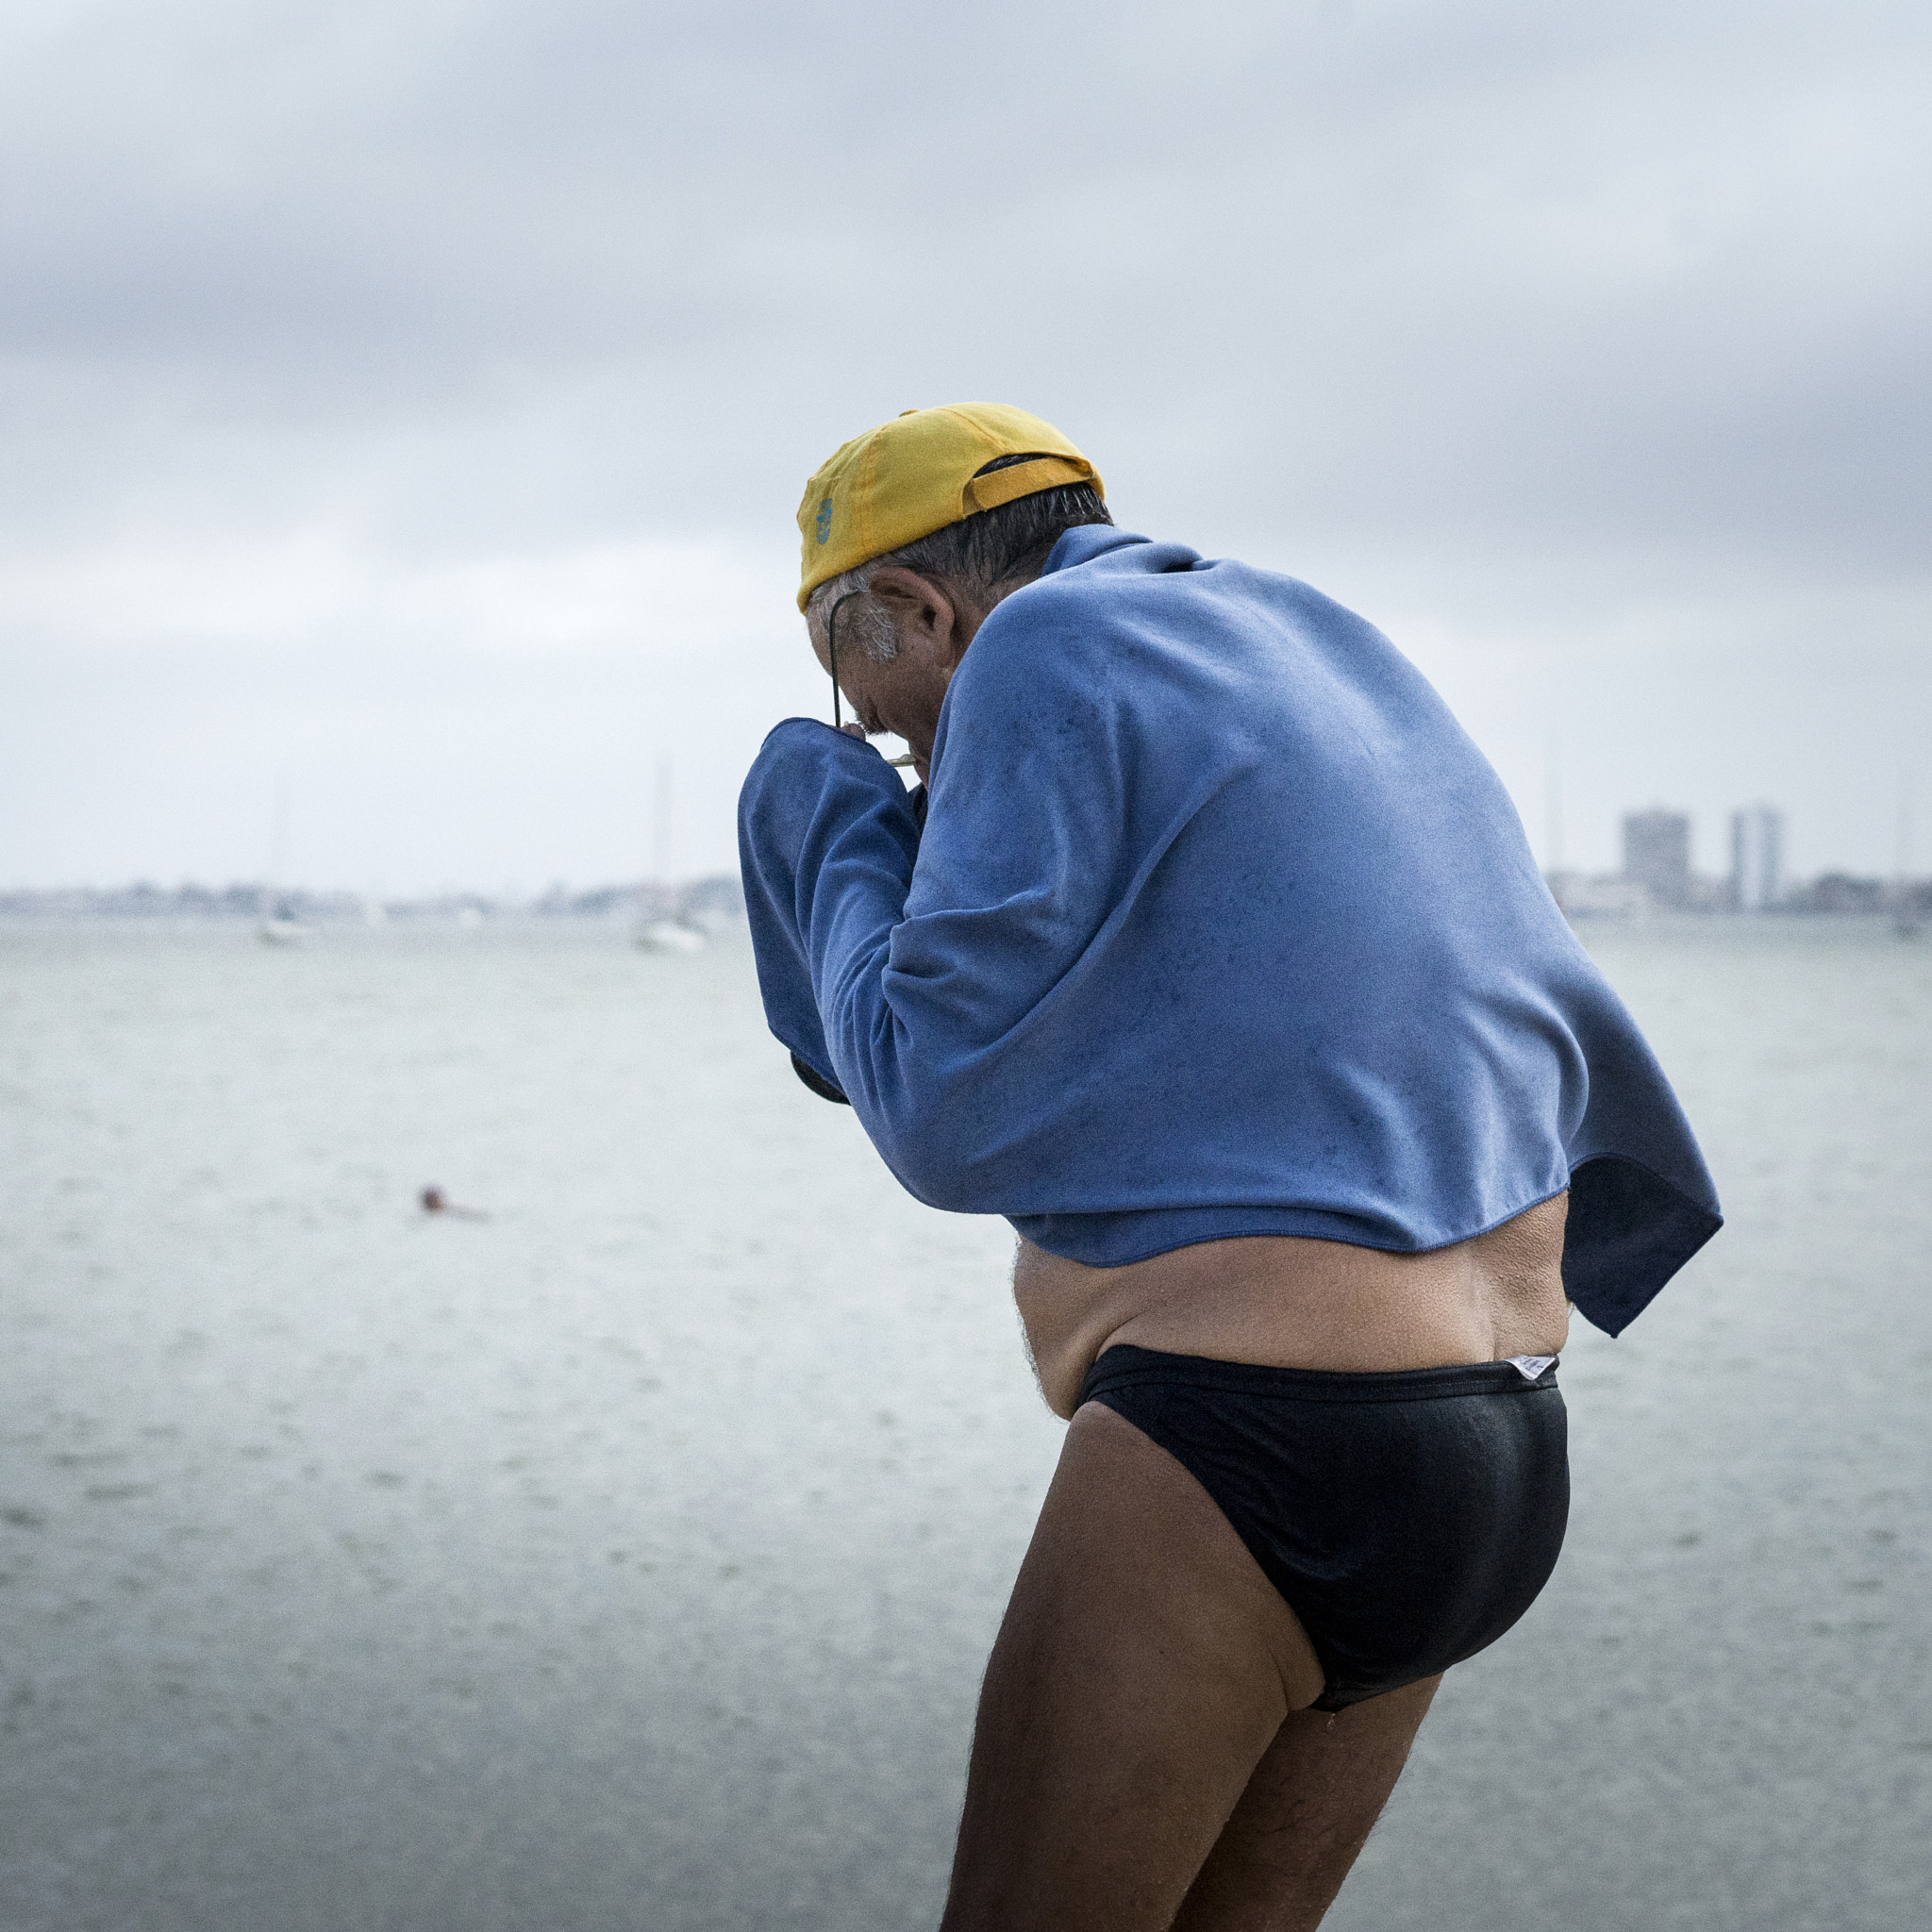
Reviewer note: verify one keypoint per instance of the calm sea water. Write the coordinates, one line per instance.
(629, 1558)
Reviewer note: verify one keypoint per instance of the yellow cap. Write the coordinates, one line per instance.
(921, 472)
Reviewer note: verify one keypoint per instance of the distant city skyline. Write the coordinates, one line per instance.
(1673, 857)
(1657, 874)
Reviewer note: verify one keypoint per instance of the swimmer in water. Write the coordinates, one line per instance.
(436, 1202)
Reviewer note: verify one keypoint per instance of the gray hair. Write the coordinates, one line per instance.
(983, 554)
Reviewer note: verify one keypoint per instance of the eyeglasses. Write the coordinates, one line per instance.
(832, 652)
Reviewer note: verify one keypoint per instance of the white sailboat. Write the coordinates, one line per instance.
(279, 927)
(667, 936)
(664, 932)
(277, 923)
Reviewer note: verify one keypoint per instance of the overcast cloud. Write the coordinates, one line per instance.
(408, 405)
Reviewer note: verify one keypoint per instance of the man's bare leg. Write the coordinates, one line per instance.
(1144, 1672)
(1305, 1816)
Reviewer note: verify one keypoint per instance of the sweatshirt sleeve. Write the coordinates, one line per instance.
(915, 990)
(827, 841)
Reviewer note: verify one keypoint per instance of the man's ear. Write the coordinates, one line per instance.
(920, 608)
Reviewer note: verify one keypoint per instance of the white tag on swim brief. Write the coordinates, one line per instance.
(1529, 1366)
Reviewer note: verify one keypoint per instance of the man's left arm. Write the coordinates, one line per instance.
(909, 995)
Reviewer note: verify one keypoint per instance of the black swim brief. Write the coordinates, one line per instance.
(1408, 1519)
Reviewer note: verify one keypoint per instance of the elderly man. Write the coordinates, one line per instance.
(1210, 953)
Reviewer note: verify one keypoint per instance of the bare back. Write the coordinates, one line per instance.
(1288, 1301)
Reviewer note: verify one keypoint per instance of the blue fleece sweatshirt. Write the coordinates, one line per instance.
(1218, 924)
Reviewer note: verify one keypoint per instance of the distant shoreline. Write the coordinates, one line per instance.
(713, 897)
(1606, 899)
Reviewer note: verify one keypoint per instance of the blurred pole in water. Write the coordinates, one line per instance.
(661, 824)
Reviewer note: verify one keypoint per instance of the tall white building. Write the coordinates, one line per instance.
(1657, 854)
(1757, 841)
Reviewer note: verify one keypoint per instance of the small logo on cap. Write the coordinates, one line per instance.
(822, 529)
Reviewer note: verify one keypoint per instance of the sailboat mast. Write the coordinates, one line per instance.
(661, 823)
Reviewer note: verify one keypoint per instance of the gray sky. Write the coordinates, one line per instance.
(406, 405)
